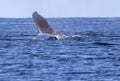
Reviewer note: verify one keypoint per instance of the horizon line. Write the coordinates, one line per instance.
(61, 17)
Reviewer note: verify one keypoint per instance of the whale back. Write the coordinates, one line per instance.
(41, 24)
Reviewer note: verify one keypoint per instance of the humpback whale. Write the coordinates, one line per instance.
(44, 28)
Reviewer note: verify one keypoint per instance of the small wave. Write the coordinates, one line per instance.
(13, 39)
(103, 43)
(80, 72)
(75, 37)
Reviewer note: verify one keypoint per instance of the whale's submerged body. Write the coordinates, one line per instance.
(44, 29)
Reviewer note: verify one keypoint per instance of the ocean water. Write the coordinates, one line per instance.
(92, 55)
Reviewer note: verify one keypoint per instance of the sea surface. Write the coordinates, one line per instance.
(91, 54)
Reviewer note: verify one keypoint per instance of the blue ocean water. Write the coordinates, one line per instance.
(94, 55)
